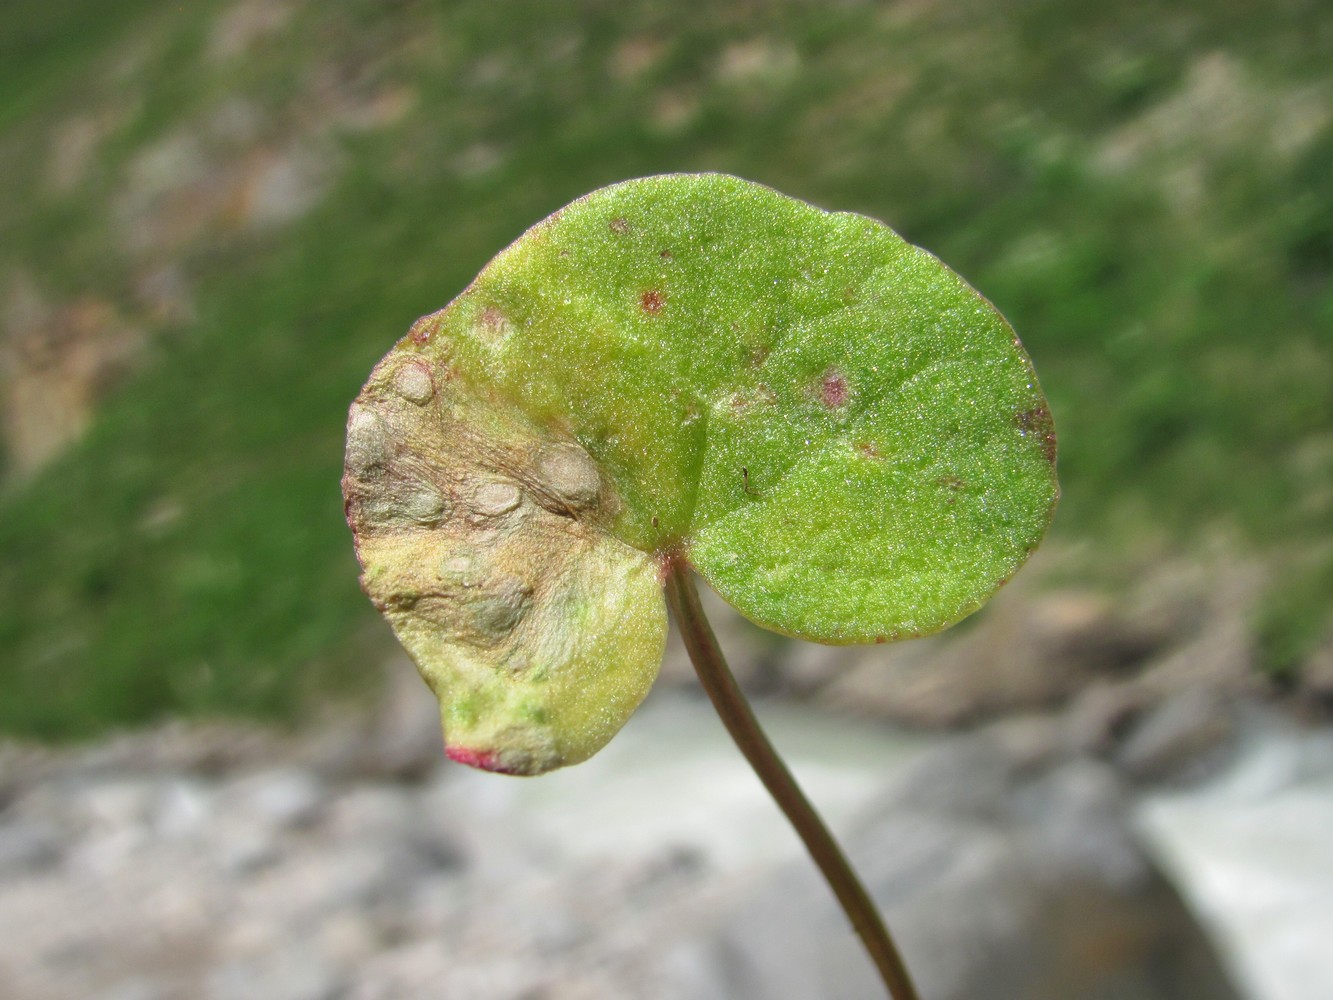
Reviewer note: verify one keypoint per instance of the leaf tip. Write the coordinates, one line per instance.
(483, 760)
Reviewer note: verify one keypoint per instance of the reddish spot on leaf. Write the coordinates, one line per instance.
(484, 760)
(422, 330)
(868, 449)
(833, 389)
(1037, 423)
(652, 301)
(666, 255)
(619, 225)
(493, 322)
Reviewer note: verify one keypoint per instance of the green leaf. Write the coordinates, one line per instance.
(841, 435)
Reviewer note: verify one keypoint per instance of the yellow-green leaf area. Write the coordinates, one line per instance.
(484, 540)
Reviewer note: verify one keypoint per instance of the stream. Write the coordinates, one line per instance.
(1252, 851)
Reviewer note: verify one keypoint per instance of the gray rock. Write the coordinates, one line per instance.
(182, 808)
(405, 739)
(1316, 675)
(27, 848)
(1101, 714)
(279, 799)
(1021, 653)
(1183, 738)
(292, 974)
(1031, 741)
(116, 804)
(252, 818)
(138, 988)
(808, 667)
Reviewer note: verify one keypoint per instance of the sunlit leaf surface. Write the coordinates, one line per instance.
(841, 435)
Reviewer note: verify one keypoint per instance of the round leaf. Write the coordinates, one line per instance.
(842, 436)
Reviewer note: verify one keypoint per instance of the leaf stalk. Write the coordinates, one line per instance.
(731, 704)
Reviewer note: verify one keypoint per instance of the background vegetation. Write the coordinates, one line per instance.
(255, 199)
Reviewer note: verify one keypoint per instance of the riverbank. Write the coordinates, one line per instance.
(353, 862)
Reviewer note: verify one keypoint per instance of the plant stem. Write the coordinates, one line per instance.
(737, 716)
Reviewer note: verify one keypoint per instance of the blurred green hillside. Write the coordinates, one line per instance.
(216, 216)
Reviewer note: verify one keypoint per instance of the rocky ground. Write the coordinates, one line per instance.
(350, 861)
(176, 866)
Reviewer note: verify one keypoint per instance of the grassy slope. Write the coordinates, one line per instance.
(189, 553)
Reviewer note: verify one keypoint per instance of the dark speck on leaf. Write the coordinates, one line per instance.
(652, 301)
(951, 483)
(666, 255)
(833, 389)
(1037, 423)
(619, 225)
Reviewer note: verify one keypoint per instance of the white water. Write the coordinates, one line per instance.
(1252, 851)
(673, 777)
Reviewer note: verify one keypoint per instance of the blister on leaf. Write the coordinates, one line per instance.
(842, 437)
